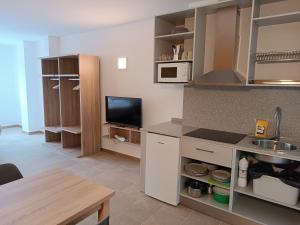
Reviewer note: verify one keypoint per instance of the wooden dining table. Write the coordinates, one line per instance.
(53, 197)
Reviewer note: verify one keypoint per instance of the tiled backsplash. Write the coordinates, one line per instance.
(236, 109)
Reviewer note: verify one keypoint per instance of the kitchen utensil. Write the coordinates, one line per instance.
(221, 195)
(196, 169)
(184, 55)
(271, 159)
(190, 55)
(213, 182)
(195, 189)
(176, 51)
(221, 191)
(221, 175)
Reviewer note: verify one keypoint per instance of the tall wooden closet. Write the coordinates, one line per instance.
(71, 88)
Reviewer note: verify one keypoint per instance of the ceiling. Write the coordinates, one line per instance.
(33, 18)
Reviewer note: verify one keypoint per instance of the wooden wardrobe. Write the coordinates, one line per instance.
(71, 88)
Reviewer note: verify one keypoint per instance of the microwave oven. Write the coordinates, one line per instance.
(174, 72)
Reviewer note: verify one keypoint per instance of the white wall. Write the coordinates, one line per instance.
(30, 83)
(21, 94)
(135, 41)
(34, 91)
(9, 95)
(53, 45)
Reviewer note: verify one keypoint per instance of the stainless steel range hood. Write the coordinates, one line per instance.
(225, 53)
(224, 77)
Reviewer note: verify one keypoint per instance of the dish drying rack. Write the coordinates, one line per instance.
(277, 57)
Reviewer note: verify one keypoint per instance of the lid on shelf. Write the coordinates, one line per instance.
(196, 169)
(221, 175)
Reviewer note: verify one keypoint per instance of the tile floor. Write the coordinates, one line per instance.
(128, 207)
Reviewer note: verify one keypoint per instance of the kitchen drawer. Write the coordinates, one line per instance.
(206, 151)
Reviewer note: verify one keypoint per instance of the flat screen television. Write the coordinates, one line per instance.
(124, 111)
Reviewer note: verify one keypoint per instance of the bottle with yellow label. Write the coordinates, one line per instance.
(261, 128)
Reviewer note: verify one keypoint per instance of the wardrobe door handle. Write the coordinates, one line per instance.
(202, 150)
(161, 143)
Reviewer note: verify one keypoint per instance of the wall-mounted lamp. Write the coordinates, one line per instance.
(122, 63)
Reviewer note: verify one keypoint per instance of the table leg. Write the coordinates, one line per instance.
(103, 214)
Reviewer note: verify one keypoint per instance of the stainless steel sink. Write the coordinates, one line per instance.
(276, 146)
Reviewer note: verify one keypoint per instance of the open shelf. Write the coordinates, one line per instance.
(117, 141)
(277, 19)
(131, 134)
(164, 24)
(50, 75)
(135, 137)
(178, 36)
(51, 106)
(72, 129)
(206, 199)
(69, 66)
(55, 130)
(249, 191)
(69, 75)
(274, 31)
(206, 179)
(70, 139)
(70, 106)
(265, 212)
(50, 66)
(51, 136)
(165, 36)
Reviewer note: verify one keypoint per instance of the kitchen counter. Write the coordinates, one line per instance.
(246, 145)
(250, 206)
(176, 129)
(171, 128)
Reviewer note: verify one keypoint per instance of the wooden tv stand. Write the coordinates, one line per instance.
(130, 147)
(131, 134)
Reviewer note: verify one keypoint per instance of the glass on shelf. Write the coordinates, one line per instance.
(165, 57)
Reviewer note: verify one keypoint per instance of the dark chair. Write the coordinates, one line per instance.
(8, 173)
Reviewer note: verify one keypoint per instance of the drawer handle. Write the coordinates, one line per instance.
(199, 149)
(161, 143)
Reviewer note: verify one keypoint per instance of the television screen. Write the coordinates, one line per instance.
(124, 111)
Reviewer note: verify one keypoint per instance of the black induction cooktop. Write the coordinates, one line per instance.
(216, 135)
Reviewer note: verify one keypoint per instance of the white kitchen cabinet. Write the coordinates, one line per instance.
(162, 167)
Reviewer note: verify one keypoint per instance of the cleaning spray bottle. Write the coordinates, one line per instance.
(243, 167)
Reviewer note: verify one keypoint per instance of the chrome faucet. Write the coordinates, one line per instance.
(277, 117)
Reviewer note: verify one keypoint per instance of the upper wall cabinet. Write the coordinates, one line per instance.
(249, 43)
(274, 54)
(174, 43)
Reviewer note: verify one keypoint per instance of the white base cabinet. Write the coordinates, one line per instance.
(162, 168)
